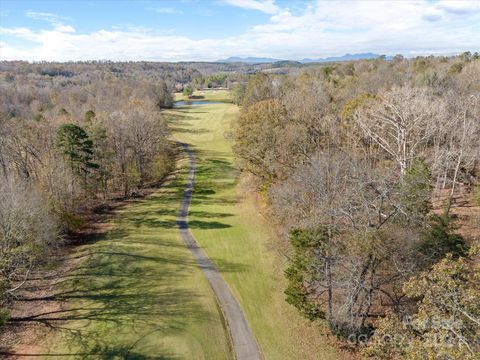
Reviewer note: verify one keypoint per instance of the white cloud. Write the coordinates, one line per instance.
(266, 6)
(54, 19)
(459, 6)
(64, 28)
(19, 32)
(62, 44)
(50, 17)
(165, 10)
(320, 29)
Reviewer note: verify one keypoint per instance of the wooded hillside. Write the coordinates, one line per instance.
(362, 164)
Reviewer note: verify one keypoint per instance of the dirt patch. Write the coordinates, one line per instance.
(35, 303)
(466, 213)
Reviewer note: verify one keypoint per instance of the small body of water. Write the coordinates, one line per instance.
(196, 103)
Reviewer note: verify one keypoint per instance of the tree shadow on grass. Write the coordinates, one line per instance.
(188, 110)
(204, 192)
(113, 306)
(172, 223)
(110, 299)
(186, 130)
(209, 214)
(207, 200)
(197, 224)
(228, 266)
(99, 351)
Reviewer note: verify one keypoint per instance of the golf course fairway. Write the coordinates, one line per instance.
(236, 237)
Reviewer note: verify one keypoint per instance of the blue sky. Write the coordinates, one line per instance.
(195, 19)
(168, 30)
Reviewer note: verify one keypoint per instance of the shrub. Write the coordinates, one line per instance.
(476, 195)
(188, 91)
(416, 191)
(28, 229)
(440, 238)
(4, 314)
(304, 242)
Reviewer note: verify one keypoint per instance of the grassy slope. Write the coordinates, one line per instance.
(238, 240)
(139, 295)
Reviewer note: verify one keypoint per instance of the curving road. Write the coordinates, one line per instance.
(244, 344)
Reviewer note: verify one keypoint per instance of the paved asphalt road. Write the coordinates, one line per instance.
(244, 344)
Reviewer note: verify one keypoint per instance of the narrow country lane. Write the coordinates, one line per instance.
(244, 344)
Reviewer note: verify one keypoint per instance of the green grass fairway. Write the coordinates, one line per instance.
(139, 294)
(208, 95)
(238, 240)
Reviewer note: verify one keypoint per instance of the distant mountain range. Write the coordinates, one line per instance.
(259, 60)
(346, 57)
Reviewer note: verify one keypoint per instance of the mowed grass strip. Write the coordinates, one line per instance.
(207, 95)
(226, 222)
(139, 294)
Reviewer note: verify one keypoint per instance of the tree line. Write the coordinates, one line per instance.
(354, 160)
(72, 138)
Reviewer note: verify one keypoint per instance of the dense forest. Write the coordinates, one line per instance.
(362, 165)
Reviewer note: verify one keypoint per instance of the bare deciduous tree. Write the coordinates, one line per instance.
(28, 229)
(397, 122)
